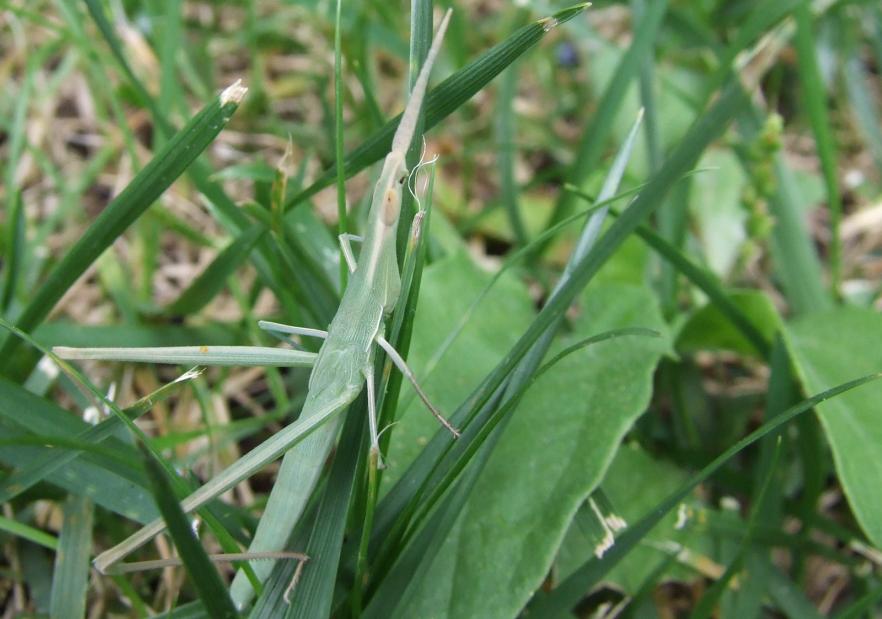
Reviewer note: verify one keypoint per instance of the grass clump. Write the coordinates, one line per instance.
(645, 291)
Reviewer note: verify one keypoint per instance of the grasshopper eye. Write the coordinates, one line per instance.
(402, 179)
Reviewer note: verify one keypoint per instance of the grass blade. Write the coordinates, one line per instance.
(709, 601)
(20, 480)
(703, 279)
(681, 160)
(36, 536)
(203, 574)
(477, 435)
(863, 105)
(96, 10)
(15, 230)
(447, 96)
(71, 575)
(784, 592)
(421, 33)
(314, 595)
(760, 21)
(505, 144)
(648, 98)
(119, 489)
(594, 139)
(167, 165)
(862, 606)
(340, 177)
(816, 104)
(212, 279)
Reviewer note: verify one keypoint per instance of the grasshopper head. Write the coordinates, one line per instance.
(395, 176)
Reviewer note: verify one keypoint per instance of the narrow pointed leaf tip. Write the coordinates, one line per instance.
(553, 21)
(234, 93)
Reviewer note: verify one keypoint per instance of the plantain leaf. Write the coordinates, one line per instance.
(561, 599)
(551, 456)
(826, 349)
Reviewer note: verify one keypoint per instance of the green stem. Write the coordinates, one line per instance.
(361, 571)
(338, 138)
(816, 104)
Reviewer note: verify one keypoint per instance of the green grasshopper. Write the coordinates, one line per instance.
(343, 365)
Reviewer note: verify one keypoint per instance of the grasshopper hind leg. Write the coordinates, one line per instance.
(402, 366)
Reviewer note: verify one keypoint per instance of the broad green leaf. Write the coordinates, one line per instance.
(552, 455)
(628, 265)
(828, 348)
(567, 593)
(709, 329)
(447, 290)
(715, 202)
(635, 483)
